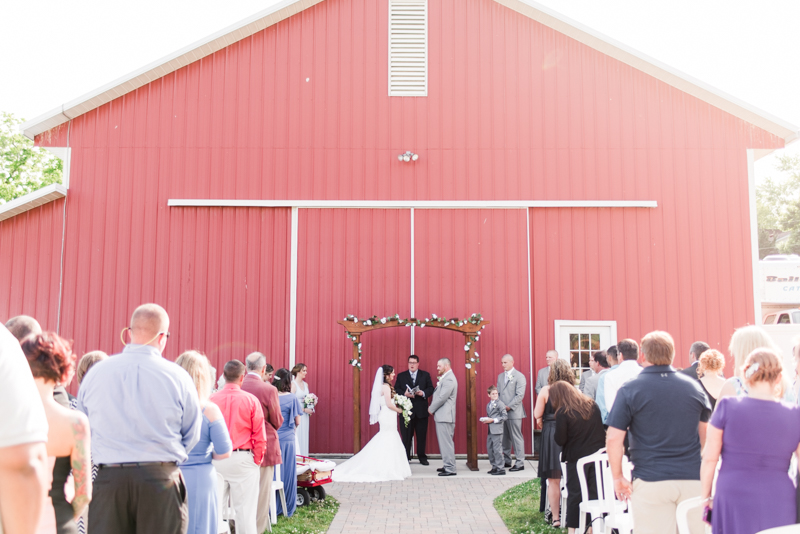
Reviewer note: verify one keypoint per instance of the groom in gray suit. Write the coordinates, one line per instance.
(443, 408)
(511, 384)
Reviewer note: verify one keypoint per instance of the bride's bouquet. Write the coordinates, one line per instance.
(404, 403)
(310, 401)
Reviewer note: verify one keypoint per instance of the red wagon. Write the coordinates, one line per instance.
(312, 474)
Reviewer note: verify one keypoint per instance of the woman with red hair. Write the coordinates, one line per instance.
(52, 362)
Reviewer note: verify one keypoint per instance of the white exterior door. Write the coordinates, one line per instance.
(577, 340)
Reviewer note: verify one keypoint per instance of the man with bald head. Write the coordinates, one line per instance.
(511, 385)
(544, 372)
(145, 418)
(22, 326)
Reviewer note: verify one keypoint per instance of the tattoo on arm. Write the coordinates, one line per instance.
(81, 465)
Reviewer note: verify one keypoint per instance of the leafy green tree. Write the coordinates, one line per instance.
(778, 209)
(23, 167)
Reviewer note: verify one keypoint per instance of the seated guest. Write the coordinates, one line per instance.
(579, 433)
(145, 418)
(245, 421)
(198, 471)
(291, 412)
(52, 362)
(756, 436)
(710, 366)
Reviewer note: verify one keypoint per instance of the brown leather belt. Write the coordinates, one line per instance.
(136, 464)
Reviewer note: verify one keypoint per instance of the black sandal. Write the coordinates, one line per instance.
(556, 523)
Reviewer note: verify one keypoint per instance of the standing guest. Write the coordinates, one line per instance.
(300, 371)
(666, 414)
(612, 355)
(586, 374)
(245, 421)
(599, 364)
(697, 348)
(579, 433)
(627, 370)
(512, 384)
(68, 443)
(24, 470)
(541, 378)
(291, 411)
(22, 326)
(756, 436)
(199, 472)
(744, 341)
(268, 374)
(495, 415)
(443, 408)
(418, 425)
(550, 453)
(145, 418)
(84, 364)
(709, 370)
(267, 395)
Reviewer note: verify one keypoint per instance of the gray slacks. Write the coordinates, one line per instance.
(512, 435)
(444, 434)
(494, 446)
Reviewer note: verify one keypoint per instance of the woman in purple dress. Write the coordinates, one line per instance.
(756, 436)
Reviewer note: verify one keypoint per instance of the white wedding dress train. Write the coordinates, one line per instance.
(382, 459)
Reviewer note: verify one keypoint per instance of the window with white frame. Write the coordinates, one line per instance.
(408, 47)
(577, 340)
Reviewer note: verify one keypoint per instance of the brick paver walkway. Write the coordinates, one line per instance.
(425, 502)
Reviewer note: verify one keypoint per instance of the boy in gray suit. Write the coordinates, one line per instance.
(496, 412)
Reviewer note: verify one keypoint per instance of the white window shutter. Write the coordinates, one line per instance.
(408, 47)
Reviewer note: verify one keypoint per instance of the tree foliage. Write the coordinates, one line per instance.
(778, 209)
(24, 168)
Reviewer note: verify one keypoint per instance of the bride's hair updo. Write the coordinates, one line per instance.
(387, 372)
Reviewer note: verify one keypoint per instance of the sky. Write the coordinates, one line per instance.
(55, 51)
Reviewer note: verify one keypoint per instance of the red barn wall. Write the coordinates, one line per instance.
(300, 110)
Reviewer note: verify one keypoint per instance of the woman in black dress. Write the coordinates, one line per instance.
(550, 451)
(579, 432)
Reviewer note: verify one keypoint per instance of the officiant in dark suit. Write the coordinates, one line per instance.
(405, 383)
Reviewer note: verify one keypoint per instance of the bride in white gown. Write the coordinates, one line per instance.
(384, 457)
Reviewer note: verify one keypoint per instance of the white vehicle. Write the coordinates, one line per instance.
(791, 316)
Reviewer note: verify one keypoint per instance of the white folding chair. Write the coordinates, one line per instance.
(682, 513)
(223, 507)
(563, 515)
(596, 508)
(788, 529)
(617, 519)
(277, 486)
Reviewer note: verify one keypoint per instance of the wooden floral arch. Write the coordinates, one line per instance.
(470, 328)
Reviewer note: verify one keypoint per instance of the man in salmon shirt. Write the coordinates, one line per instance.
(245, 420)
(267, 395)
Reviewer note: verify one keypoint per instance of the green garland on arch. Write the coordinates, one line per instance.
(475, 319)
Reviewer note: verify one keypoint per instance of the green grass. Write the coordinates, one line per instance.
(312, 519)
(519, 509)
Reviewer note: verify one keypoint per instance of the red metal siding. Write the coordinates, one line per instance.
(30, 264)
(350, 262)
(300, 111)
(473, 261)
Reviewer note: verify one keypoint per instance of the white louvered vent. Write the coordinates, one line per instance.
(408, 47)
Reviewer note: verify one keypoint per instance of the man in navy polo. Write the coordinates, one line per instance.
(666, 414)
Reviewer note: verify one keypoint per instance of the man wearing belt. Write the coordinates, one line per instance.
(245, 419)
(145, 418)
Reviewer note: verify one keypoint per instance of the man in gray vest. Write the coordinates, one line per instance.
(443, 408)
(511, 384)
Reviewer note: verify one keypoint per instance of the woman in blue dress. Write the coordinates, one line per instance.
(198, 471)
(292, 412)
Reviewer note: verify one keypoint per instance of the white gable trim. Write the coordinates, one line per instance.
(32, 200)
(287, 8)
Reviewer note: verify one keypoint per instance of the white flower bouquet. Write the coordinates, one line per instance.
(310, 401)
(404, 403)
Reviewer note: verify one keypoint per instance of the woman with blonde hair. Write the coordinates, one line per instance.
(744, 341)
(710, 366)
(215, 443)
(756, 435)
(550, 452)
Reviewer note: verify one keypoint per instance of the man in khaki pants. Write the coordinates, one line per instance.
(666, 414)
